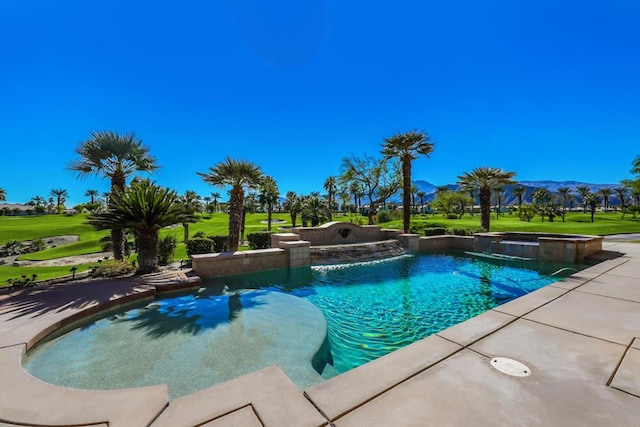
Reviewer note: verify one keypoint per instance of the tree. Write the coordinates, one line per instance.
(485, 179)
(330, 186)
(421, 195)
(451, 202)
(239, 175)
(605, 193)
(592, 201)
(143, 208)
(406, 147)
(635, 166)
(292, 204)
(60, 195)
(519, 191)
(3, 195)
(215, 197)
(191, 203)
(498, 193)
(93, 194)
(378, 179)
(313, 210)
(564, 197)
(38, 200)
(116, 157)
(622, 192)
(583, 191)
(268, 197)
(543, 201)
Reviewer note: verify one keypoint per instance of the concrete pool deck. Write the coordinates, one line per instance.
(580, 337)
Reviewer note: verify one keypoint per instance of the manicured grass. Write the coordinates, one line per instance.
(575, 223)
(8, 272)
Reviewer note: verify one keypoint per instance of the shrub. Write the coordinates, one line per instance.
(463, 231)
(22, 281)
(199, 235)
(113, 269)
(166, 249)
(259, 240)
(452, 216)
(200, 246)
(384, 216)
(37, 245)
(434, 231)
(220, 243)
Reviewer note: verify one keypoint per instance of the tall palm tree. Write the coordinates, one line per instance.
(542, 199)
(144, 208)
(268, 197)
(330, 186)
(239, 175)
(484, 179)
(93, 194)
(583, 191)
(592, 201)
(38, 200)
(60, 195)
(114, 156)
(292, 205)
(215, 196)
(190, 201)
(605, 193)
(622, 192)
(564, 196)
(3, 195)
(421, 195)
(406, 147)
(519, 191)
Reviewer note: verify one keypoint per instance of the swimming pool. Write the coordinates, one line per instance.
(311, 321)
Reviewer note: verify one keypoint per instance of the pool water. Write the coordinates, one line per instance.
(237, 325)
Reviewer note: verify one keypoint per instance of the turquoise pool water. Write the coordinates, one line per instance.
(236, 325)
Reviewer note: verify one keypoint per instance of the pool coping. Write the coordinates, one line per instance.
(268, 397)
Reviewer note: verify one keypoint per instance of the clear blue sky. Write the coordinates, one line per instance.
(548, 89)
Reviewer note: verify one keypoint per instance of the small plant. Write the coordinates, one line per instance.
(22, 281)
(113, 269)
(200, 246)
(259, 240)
(166, 249)
(384, 216)
(434, 231)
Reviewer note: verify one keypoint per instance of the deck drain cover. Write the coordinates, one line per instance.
(510, 367)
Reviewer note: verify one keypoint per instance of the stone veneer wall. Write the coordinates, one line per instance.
(341, 233)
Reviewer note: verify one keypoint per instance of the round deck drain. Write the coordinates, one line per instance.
(510, 367)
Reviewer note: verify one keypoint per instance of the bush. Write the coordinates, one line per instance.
(464, 231)
(452, 216)
(434, 231)
(220, 243)
(22, 281)
(113, 269)
(384, 216)
(200, 246)
(199, 235)
(166, 249)
(259, 240)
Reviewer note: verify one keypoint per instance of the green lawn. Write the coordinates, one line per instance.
(34, 227)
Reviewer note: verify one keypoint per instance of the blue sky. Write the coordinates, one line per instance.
(547, 89)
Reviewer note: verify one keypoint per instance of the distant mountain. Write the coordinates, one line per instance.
(554, 185)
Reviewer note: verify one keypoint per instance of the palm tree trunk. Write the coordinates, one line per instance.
(370, 216)
(406, 194)
(236, 208)
(185, 236)
(118, 182)
(485, 208)
(269, 215)
(147, 252)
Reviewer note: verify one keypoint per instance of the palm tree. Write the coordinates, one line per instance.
(292, 205)
(498, 193)
(93, 194)
(635, 166)
(583, 191)
(484, 179)
(407, 147)
(269, 195)
(605, 193)
(38, 200)
(592, 200)
(621, 192)
(565, 196)
(3, 195)
(542, 199)
(60, 195)
(330, 186)
(191, 204)
(215, 197)
(239, 175)
(421, 195)
(519, 191)
(144, 208)
(116, 157)
(313, 210)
